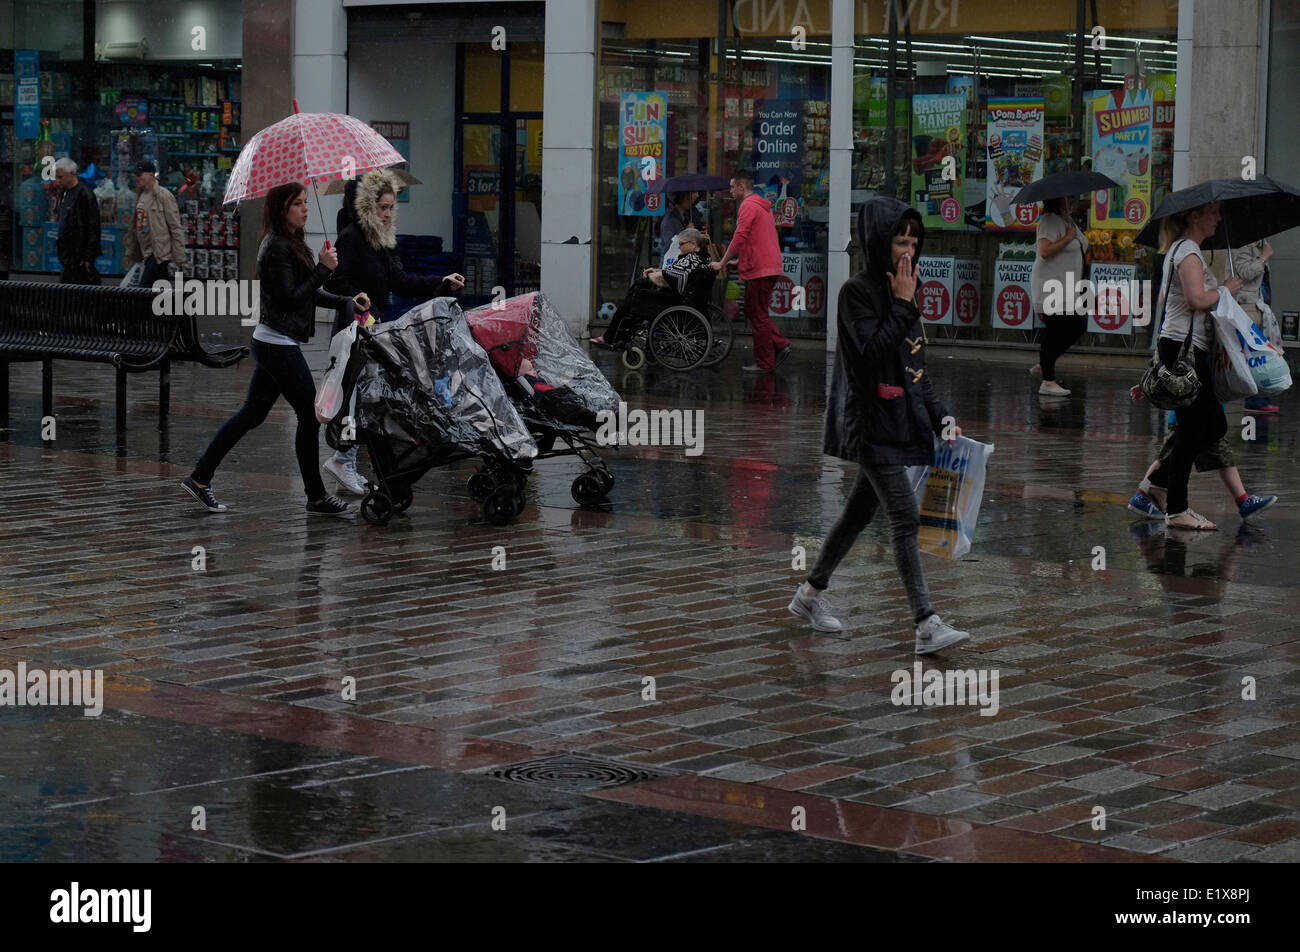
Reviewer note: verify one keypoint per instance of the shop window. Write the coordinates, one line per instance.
(526, 64)
(482, 78)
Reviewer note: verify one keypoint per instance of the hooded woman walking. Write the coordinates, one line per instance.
(368, 263)
(882, 415)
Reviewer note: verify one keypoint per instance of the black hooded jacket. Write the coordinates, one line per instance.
(882, 410)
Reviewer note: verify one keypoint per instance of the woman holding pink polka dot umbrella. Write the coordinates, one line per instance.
(277, 163)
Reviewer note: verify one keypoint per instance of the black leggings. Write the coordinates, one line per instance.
(876, 485)
(1060, 331)
(1200, 427)
(280, 369)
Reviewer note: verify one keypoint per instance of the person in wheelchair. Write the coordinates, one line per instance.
(659, 288)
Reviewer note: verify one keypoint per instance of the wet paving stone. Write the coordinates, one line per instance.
(1121, 687)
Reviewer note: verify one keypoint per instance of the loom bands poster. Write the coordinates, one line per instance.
(1015, 159)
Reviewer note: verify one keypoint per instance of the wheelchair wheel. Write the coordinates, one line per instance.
(633, 358)
(680, 338)
(724, 332)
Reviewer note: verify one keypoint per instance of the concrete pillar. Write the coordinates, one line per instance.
(569, 158)
(1217, 101)
(266, 78)
(841, 156)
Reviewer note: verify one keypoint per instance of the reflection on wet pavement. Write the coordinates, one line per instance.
(1121, 687)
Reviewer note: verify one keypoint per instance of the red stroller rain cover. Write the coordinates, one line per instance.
(508, 332)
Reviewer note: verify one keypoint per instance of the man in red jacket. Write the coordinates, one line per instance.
(755, 245)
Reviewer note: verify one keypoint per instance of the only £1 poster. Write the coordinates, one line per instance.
(1120, 123)
(939, 135)
(642, 140)
(1015, 133)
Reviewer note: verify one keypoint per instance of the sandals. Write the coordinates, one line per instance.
(1189, 519)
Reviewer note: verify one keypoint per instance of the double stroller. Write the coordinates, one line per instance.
(420, 393)
(554, 387)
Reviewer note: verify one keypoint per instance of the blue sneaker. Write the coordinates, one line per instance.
(1146, 507)
(1253, 504)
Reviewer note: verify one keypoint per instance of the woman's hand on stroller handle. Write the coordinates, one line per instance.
(457, 281)
(361, 301)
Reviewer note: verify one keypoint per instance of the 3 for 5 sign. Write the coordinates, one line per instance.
(1012, 309)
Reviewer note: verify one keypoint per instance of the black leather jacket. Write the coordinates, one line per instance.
(882, 409)
(291, 291)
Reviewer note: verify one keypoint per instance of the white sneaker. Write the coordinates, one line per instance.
(1036, 371)
(1052, 389)
(934, 634)
(816, 609)
(346, 475)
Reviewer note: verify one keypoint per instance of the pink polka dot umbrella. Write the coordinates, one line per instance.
(307, 147)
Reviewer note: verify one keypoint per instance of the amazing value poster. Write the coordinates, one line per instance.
(1120, 123)
(642, 140)
(939, 134)
(1015, 134)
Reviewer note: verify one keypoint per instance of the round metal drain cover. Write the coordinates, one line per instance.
(573, 773)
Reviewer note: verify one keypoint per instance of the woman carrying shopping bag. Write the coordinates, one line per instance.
(1190, 291)
(882, 414)
(291, 285)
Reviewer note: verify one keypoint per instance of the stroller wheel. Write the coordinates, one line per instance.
(499, 508)
(480, 486)
(588, 490)
(377, 508)
(606, 478)
(521, 480)
(403, 502)
(634, 358)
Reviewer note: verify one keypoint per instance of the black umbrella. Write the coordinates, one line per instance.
(691, 182)
(1251, 210)
(1062, 184)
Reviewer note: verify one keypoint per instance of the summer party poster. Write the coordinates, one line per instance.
(1120, 123)
(642, 136)
(1015, 133)
(939, 133)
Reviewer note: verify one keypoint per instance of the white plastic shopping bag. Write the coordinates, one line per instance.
(949, 494)
(1268, 323)
(1233, 328)
(672, 252)
(329, 395)
(133, 277)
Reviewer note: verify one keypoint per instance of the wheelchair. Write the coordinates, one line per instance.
(694, 333)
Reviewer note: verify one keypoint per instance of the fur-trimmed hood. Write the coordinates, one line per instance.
(377, 233)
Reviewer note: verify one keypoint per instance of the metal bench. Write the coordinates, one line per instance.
(44, 322)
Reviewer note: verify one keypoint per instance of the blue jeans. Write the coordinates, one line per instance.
(874, 485)
(281, 369)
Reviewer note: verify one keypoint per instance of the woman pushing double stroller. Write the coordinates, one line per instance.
(369, 264)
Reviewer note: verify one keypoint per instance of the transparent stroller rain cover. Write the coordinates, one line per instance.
(427, 373)
(528, 327)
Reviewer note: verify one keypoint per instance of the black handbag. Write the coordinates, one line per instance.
(1176, 387)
